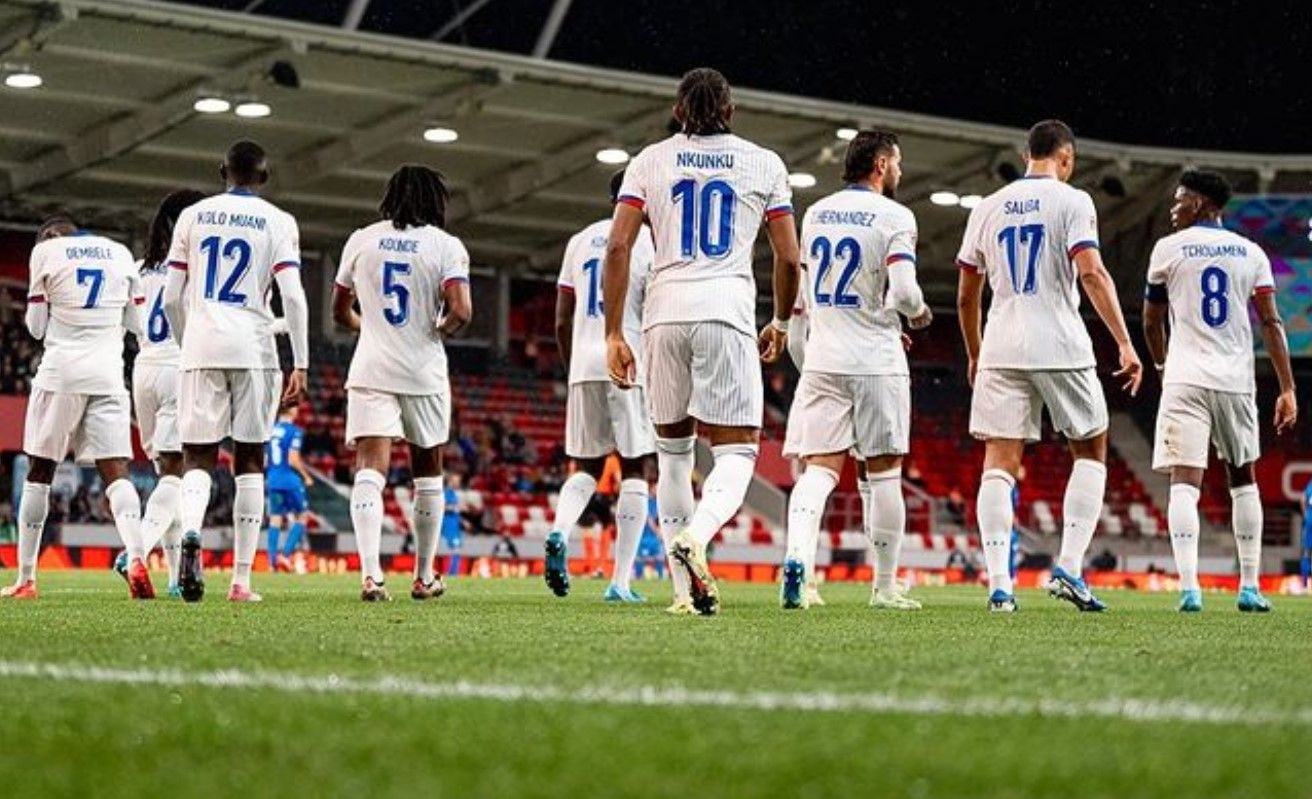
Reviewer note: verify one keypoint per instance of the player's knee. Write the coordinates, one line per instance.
(112, 469)
(200, 456)
(1094, 448)
(248, 458)
(1241, 476)
(170, 464)
(634, 468)
(592, 467)
(681, 429)
(424, 461)
(41, 470)
(883, 463)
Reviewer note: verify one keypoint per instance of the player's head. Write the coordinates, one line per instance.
(161, 227)
(874, 157)
(1052, 140)
(1199, 196)
(60, 223)
(415, 196)
(616, 181)
(703, 105)
(245, 166)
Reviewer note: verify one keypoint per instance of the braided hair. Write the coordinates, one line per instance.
(703, 102)
(415, 196)
(160, 237)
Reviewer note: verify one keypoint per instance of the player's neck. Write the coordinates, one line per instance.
(1208, 221)
(875, 186)
(1041, 168)
(244, 191)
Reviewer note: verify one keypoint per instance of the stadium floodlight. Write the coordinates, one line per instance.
(801, 180)
(212, 105)
(252, 110)
(441, 135)
(969, 200)
(846, 134)
(612, 155)
(944, 198)
(24, 79)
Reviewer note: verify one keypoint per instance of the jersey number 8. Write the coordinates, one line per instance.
(1216, 299)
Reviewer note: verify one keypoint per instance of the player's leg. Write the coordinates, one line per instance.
(424, 423)
(372, 454)
(573, 500)
(1180, 448)
(630, 519)
(668, 387)
(161, 523)
(883, 414)
(806, 509)
(295, 531)
(273, 533)
(255, 398)
(204, 420)
(1238, 444)
(103, 435)
(47, 426)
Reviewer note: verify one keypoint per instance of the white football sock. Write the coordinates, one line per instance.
(863, 491)
(31, 522)
(574, 497)
(630, 518)
(1246, 517)
(125, 507)
(724, 490)
(994, 513)
(806, 507)
(161, 511)
(367, 519)
(1182, 519)
(195, 499)
(247, 519)
(885, 525)
(674, 499)
(1080, 511)
(172, 546)
(430, 505)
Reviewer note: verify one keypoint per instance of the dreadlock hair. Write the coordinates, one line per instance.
(862, 152)
(703, 101)
(60, 223)
(415, 196)
(246, 163)
(1049, 136)
(1211, 185)
(160, 237)
(616, 182)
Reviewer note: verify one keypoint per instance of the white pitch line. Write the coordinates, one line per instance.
(1127, 709)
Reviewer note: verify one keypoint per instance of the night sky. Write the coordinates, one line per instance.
(1211, 75)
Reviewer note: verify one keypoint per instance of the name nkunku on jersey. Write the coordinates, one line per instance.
(157, 346)
(581, 273)
(398, 277)
(1024, 237)
(231, 245)
(1210, 274)
(705, 197)
(850, 239)
(87, 282)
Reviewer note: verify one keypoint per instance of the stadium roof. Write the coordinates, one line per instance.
(113, 127)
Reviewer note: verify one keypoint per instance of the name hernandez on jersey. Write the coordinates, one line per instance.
(231, 245)
(87, 281)
(850, 239)
(581, 274)
(1210, 274)
(705, 198)
(157, 346)
(1024, 237)
(398, 277)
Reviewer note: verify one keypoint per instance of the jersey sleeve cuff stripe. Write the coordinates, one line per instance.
(1156, 293)
(565, 287)
(278, 267)
(139, 300)
(636, 202)
(899, 256)
(1264, 289)
(178, 265)
(1081, 246)
(37, 299)
(967, 265)
(456, 279)
(778, 211)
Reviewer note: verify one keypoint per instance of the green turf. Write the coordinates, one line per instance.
(103, 740)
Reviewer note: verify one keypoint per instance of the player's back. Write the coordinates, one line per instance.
(87, 281)
(286, 438)
(231, 245)
(1210, 274)
(850, 239)
(705, 197)
(581, 272)
(158, 345)
(1024, 237)
(398, 277)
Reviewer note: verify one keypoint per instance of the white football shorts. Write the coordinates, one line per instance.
(217, 403)
(1191, 416)
(870, 414)
(1009, 403)
(155, 389)
(420, 419)
(601, 418)
(95, 426)
(709, 371)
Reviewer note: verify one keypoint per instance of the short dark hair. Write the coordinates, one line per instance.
(862, 152)
(616, 182)
(246, 162)
(62, 221)
(703, 98)
(1211, 185)
(415, 196)
(1047, 137)
(160, 237)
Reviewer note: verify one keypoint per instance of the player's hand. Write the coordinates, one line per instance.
(296, 384)
(619, 361)
(972, 366)
(278, 327)
(906, 343)
(922, 321)
(1286, 412)
(772, 343)
(1131, 369)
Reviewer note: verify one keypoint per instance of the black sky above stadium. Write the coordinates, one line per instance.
(1210, 75)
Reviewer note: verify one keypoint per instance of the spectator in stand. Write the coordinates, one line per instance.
(913, 475)
(1104, 561)
(519, 449)
(956, 506)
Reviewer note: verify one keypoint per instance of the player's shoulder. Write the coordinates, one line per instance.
(757, 152)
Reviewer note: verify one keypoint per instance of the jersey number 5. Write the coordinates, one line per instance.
(393, 287)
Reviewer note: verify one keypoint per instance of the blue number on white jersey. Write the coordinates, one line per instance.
(1216, 299)
(1015, 237)
(394, 287)
(96, 277)
(157, 326)
(235, 249)
(847, 249)
(696, 228)
(595, 304)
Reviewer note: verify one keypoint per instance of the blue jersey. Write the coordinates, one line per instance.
(1307, 513)
(279, 473)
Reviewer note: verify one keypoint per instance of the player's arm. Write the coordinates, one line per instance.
(1277, 347)
(781, 229)
(1155, 308)
(903, 291)
(174, 308)
(624, 228)
(458, 304)
(344, 308)
(1101, 289)
(295, 460)
(133, 321)
(37, 316)
(799, 328)
(564, 322)
(970, 311)
(295, 309)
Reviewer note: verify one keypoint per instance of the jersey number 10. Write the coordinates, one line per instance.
(696, 230)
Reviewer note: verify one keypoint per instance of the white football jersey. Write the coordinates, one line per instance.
(1210, 274)
(705, 198)
(580, 273)
(231, 245)
(87, 281)
(1024, 237)
(157, 346)
(850, 240)
(398, 277)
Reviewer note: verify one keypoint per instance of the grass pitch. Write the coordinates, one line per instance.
(500, 689)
